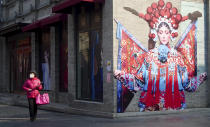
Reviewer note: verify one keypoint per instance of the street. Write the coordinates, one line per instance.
(13, 116)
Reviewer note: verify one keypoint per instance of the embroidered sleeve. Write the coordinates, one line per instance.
(191, 84)
(133, 82)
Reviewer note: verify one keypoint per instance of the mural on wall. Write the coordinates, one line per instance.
(162, 73)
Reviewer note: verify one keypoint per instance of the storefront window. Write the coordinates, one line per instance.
(89, 51)
(45, 58)
(20, 63)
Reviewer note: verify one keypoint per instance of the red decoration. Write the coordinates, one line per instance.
(152, 35)
(151, 24)
(185, 18)
(162, 13)
(173, 17)
(161, 3)
(157, 15)
(174, 11)
(154, 19)
(179, 17)
(149, 10)
(173, 35)
(147, 17)
(153, 10)
(169, 5)
(159, 8)
(168, 14)
(165, 9)
(141, 15)
(176, 34)
(154, 5)
(175, 26)
(173, 20)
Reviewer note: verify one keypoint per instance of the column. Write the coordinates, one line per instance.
(33, 51)
(71, 58)
(1, 62)
(5, 67)
(53, 61)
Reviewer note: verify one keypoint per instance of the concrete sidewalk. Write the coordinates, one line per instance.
(14, 116)
(17, 100)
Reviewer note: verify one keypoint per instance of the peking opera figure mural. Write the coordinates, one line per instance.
(163, 73)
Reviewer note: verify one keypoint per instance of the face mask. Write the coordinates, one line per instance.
(31, 75)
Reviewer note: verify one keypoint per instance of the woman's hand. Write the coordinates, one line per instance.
(37, 87)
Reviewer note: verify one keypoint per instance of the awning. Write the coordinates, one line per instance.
(65, 7)
(32, 26)
(53, 19)
(12, 29)
(45, 22)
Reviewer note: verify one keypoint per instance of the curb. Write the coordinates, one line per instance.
(17, 100)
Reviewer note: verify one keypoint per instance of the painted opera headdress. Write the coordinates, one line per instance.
(161, 12)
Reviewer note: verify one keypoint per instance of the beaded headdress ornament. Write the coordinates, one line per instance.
(161, 12)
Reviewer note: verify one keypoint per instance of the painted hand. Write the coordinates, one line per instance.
(117, 74)
(202, 77)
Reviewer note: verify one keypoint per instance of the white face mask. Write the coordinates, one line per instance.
(31, 75)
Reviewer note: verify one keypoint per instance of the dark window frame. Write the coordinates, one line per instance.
(60, 27)
(90, 28)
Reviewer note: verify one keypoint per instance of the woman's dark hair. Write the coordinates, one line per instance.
(33, 71)
(163, 24)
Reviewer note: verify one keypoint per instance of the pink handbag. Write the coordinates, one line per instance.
(42, 99)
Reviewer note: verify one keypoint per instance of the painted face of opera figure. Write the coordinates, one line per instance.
(164, 33)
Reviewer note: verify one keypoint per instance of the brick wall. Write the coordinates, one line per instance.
(199, 98)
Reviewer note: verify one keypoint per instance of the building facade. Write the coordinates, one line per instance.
(72, 45)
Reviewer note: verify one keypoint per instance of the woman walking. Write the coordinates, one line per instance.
(32, 87)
